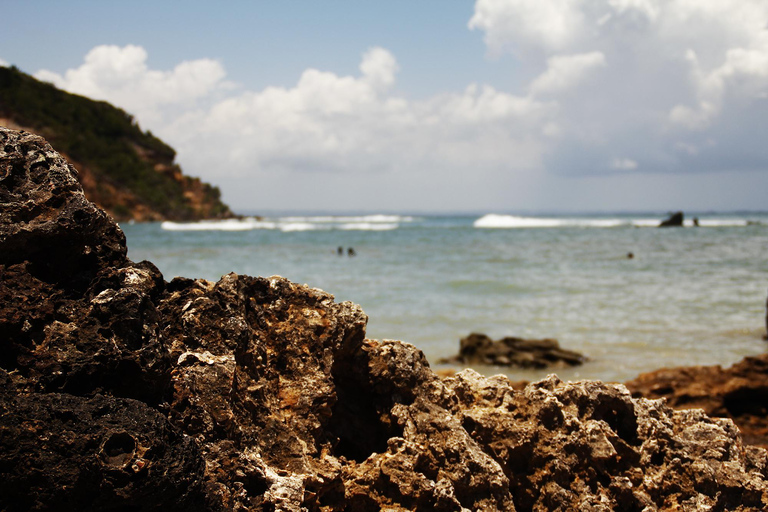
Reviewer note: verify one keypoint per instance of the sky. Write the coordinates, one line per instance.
(429, 106)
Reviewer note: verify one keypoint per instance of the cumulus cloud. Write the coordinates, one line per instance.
(328, 122)
(635, 86)
(326, 125)
(656, 79)
(550, 24)
(4, 63)
(121, 75)
(565, 71)
(624, 164)
(379, 68)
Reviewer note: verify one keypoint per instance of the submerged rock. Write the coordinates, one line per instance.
(511, 351)
(123, 391)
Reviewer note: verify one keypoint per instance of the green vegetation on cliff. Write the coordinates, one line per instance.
(128, 172)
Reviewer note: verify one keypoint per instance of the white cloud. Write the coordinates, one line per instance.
(379, 68)
(4, 63)
(345, 123)
(552, 24)
(671, 72)
(325, 125)
(638, 86)
(565, 71)
(624, 164)
(121, 75)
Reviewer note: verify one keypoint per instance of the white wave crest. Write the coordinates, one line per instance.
(714, 223)
(513, 221)
(368, 226)
(493, 220)
(294, 224)
(342, 219)
(646, 223)
(246, 224)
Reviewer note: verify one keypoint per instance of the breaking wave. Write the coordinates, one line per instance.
(497, 221)
(294, 223)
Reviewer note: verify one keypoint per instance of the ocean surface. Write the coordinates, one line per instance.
(692, 295)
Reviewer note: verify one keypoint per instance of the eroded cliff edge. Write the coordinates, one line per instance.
(120, 390)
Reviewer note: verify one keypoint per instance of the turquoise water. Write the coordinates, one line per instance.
(689, 296)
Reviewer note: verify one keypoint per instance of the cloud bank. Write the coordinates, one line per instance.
(674, 83)
(609, 88)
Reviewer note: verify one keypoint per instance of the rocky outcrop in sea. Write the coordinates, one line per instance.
(675, 220)
(123, 391)
(480, 349)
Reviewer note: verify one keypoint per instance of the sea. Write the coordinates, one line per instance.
(686, 296)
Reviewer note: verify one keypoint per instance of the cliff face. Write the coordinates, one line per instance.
(121, 391)
(128, 173)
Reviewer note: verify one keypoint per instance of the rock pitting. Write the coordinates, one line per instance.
(123, 391)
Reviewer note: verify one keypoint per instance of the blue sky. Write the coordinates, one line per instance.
(496, 105)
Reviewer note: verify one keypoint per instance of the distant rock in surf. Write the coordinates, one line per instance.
(510, 351)
(675, 220)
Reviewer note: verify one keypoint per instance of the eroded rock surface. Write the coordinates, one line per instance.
(261, 394)
(739, 392)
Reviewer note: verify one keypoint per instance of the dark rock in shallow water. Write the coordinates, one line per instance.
(675, 220)
(511, 351)
(259, 393)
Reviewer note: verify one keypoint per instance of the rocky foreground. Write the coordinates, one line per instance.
(121, 391)
(739, 392)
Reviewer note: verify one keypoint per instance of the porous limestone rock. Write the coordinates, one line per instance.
(739, 392)
(261, 394)
(66, 452)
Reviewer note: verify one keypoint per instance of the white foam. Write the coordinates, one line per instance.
(646, 223)
(705, 223)
(341, 219)
(515, 221)
(368, 226)
(298, 226)
(713, 223)
(294, 223)
(493, 220)
(246, 224)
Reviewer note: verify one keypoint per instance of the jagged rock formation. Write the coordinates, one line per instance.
(675, 220)
(511, 351)
(739, 392)
(129, 173)
(122, 391)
